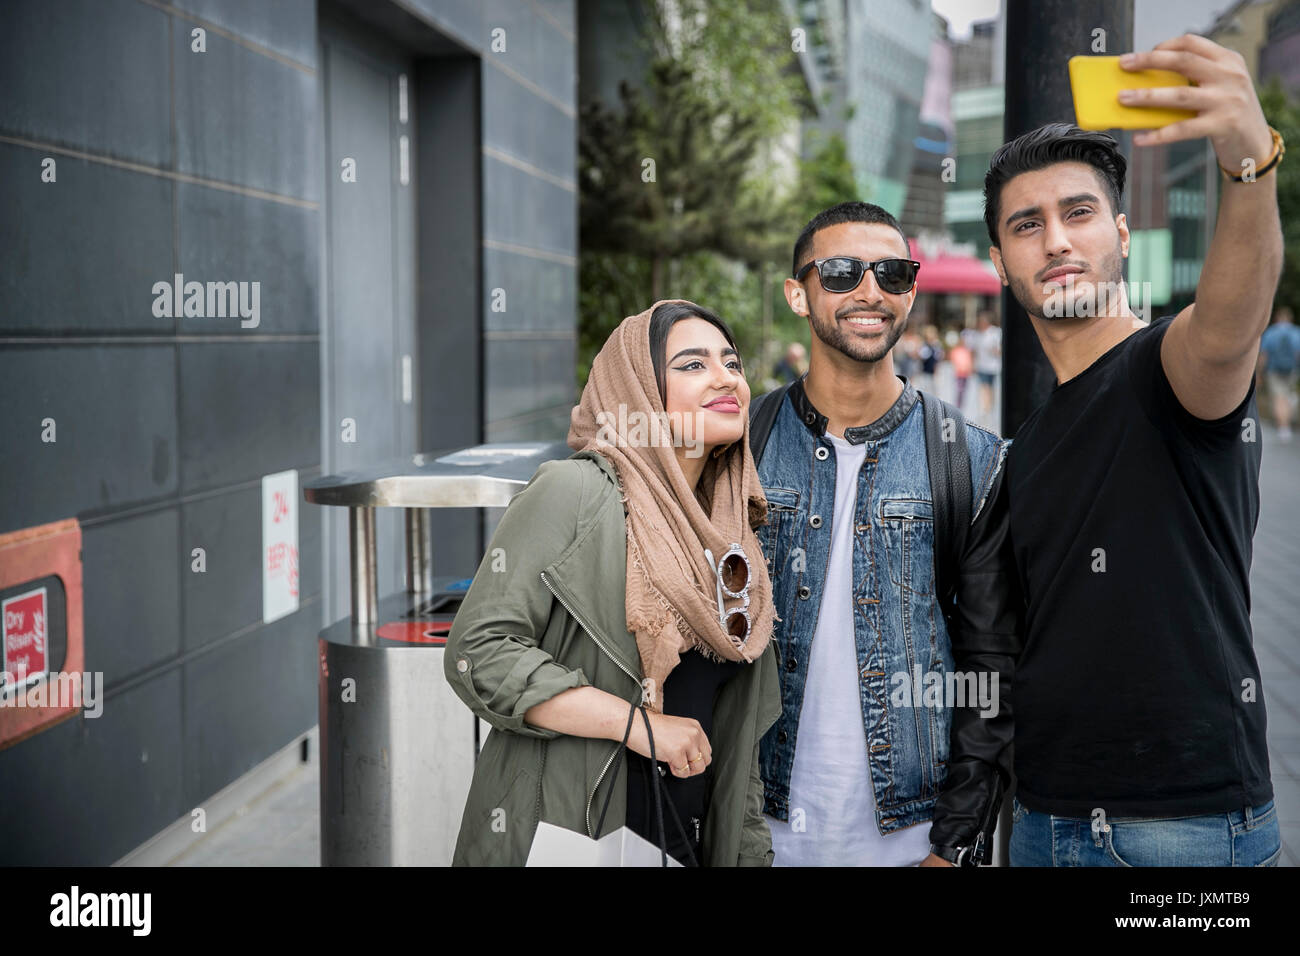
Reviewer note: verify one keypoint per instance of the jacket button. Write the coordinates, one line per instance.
(805, 592)
(815, 521)
(462, 665)
(791, 664)
(809, 418)
(822, 453)
(780, 736)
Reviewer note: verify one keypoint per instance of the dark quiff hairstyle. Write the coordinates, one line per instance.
(661, 322)
(1045, 146)
(844, 212)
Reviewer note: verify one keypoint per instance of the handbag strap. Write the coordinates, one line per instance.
(659, 813)
(658, 784)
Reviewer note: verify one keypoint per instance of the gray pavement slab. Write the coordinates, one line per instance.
(1275, 616)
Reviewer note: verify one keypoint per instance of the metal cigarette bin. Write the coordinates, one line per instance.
(397, 746)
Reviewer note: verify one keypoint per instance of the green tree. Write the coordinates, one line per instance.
(1283, 114)
(660, 178)
(826, 178)
(678, 196)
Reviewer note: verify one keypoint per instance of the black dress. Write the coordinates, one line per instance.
(690, 690)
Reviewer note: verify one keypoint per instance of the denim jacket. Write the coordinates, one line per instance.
(898, 627)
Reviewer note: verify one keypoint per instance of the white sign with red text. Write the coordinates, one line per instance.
(279, 545)
(23, 634)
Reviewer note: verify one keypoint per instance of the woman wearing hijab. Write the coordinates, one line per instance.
(624, 597)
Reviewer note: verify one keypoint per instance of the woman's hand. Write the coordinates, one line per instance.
(680, 742)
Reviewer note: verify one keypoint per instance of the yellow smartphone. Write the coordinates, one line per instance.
(1096, 81)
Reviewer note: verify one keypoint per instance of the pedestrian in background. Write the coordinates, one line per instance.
(907, 355)
(930, 354)
(1279, 357)
(963, 363)
(793, 364)
(986, 342)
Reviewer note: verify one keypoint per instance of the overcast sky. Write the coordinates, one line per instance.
(1155, 20)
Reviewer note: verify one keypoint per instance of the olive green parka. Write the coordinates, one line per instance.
(546, 613)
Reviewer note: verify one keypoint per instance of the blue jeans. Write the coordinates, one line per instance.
(1247, 837)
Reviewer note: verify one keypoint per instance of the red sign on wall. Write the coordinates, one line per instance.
(24, 637)
(32, 633)
(279, 545)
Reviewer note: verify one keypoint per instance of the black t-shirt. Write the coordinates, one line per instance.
(1138, 690)
(690, 690)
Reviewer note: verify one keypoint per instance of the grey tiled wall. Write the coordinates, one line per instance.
(167, 161)
(530, 218)
(209, 164)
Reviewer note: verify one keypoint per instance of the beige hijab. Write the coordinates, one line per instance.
(671, 589)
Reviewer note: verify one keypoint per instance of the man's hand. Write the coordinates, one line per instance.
(1223, 97)
(933, 860)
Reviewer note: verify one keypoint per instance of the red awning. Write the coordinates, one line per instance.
(946, 273)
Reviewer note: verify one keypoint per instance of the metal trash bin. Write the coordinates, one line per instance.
(397, 746)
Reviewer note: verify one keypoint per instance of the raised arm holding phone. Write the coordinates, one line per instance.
(1210, 350)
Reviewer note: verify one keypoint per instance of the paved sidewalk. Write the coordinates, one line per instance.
(282, 827)
(1275, 615)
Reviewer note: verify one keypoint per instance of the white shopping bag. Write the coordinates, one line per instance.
(556, 846)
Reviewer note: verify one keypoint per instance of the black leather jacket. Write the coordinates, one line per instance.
(988, 618)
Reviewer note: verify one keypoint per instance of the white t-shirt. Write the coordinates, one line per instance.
(988, 350)
(832, 799)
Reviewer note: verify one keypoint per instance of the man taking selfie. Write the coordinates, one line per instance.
(1134, 495)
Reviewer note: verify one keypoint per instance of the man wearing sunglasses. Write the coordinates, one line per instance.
(1134, 492)
(871, 748)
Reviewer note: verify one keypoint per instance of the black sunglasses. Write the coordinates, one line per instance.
(844, 273)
